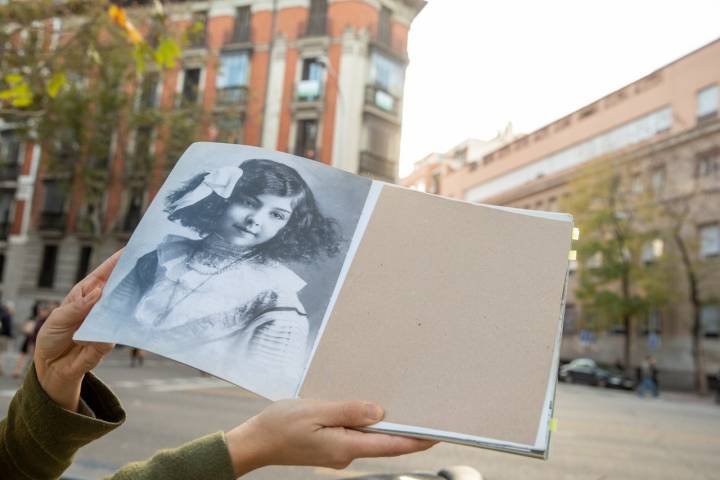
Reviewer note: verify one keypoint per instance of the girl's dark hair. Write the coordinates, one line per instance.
(308, 233)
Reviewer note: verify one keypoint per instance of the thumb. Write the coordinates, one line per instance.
(348, 413)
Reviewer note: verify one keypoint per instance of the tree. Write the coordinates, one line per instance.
(680, 208)
(70, 74)
(616, 220)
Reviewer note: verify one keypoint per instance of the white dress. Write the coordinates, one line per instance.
(201, 303)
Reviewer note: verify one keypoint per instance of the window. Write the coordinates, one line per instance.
(569, 319)
(232, 77)
(148, 91)
(306, 140)
(311, 76)
(657, 179)
(190, 86)
(636, 183)
(83, 262)
(198, 29)
(52, 215)
(552, 204)
(595, 260)
(708, 101)
(6, 202)
(384, 26)
(652, 250)
(241, 32)
(378, 140)
(10, 160)
(317, 22)
(710, 320)
(142, 143)
(134, 210)
(709, 240)
(386, 74)
(707, 164)
(46, 277)
(653, 322)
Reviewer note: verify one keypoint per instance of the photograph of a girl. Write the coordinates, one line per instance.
(225, 293)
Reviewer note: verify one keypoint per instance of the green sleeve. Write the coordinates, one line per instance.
(38, 438)
(206, 457)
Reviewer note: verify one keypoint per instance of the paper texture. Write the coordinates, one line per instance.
(448, 317)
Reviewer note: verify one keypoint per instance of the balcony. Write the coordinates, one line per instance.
(308, 91)
(232, 96)
(52, 221)
(377, 167)
(240, 35)
(9, 171)
(382, 101)
(314, 26)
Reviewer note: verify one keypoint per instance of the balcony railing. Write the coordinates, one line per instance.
(380, 98)
(308, 90)
(9, 171)
(239, 34)
(314, 26)
(232, 96)
(52, 221)
(377, 166)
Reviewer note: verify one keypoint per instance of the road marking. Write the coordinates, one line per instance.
(8, 392)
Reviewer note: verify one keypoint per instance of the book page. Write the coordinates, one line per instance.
(448, 317)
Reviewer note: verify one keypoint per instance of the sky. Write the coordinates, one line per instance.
(476, 65)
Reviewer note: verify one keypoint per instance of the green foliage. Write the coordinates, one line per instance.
(614, 283)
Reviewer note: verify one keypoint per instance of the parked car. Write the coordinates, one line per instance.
(587, 371)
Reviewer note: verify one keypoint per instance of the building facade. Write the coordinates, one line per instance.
(318, 78)
(666, 127)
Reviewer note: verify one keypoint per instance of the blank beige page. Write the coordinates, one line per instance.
(447, 317)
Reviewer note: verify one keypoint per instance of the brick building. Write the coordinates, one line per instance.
(319, 78)
(666, 126)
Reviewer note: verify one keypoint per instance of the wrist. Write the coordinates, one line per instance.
(248, 451)
(62, 389)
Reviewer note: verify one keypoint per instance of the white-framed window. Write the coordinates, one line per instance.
(652, 250)
(710, 320)
(708, 102)
(232, 76)
(709, 240)
(657, 179)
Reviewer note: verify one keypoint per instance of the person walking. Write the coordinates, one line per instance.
(40, 312)
(647, 377)
(6, 334)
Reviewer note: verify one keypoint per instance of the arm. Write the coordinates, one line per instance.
(30, 434)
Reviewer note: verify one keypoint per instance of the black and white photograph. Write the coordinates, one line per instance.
(234, 264)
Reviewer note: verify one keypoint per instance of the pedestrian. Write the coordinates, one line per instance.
(62, 407)
(40, 312)
(647, 373)
(136, 356)
(7, 311)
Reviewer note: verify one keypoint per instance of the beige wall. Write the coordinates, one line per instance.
(675, 84)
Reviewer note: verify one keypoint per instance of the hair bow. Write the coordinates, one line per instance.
(221, 181)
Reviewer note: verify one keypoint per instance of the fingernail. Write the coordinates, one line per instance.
(92, 296)
(374, 412)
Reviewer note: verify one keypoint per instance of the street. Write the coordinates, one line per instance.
(602, 434)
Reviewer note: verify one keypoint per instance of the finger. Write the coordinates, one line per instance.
(96, 278)
(71, 314)
(363, 445)
(352, 413)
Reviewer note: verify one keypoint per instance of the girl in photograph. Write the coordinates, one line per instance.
(228, 297)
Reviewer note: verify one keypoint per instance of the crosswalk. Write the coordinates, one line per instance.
(177, 384)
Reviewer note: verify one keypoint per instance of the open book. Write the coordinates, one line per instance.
(290, 278)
